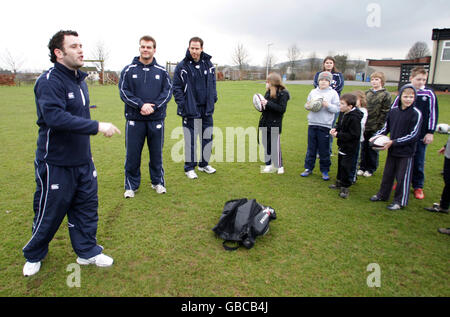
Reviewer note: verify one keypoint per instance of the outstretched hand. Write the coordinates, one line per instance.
(108, 129)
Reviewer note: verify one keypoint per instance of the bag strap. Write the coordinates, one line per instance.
(231, 248)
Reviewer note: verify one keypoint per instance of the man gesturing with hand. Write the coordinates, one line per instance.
(66, 178)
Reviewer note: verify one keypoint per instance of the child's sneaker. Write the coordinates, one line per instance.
(267, 169)
(306, 173)
(280, 170)
(325, 176)
(367, 174)
(360, 173)
(344, 192)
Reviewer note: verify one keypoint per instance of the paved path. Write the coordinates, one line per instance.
(347, 83)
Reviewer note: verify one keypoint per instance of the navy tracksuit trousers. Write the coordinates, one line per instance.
(62, 191)
(136, 133)
(399, 168)
(193, 129)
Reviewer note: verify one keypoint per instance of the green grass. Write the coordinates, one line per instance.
(163, 245)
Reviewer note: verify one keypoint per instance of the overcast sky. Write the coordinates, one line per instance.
(362, 29)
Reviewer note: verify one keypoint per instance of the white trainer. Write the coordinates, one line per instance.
(160, 189)
(191, 174)
(208, 169)
(267, 169)
(367, 174)
(101, 260)
(280, 170)
(129, 193)
(360, 173)
(31, 268)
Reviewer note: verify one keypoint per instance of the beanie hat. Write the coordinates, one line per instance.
(326, 75)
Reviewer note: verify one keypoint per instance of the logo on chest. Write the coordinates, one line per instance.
(71, 95)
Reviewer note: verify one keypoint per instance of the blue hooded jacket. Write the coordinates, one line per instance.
(404, 127)
(62, 104)
(184, 86)
(141, 84)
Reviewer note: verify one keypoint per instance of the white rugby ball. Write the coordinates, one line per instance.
(257, 98)
(442, 128)
(314, 105)
(379, 141)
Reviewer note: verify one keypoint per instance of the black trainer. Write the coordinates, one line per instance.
(344, 192)
(375, 198)
(436, 208)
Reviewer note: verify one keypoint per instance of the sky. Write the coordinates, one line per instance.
(362, 29)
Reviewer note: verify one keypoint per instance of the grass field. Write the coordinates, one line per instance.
(163, 245)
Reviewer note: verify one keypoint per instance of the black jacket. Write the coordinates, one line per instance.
(349, 131)
(272, 115)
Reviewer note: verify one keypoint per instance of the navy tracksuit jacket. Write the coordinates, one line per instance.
(141, 84)
(404, 126)
(66, 179)
(194, 90)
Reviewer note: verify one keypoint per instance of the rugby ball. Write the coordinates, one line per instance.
(257, 98)
(442, 128)
(314, 105)
(378, 142)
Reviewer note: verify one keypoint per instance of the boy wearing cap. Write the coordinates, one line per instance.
(319, 125)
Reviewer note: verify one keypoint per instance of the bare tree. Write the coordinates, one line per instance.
(101, 54)
(293, 55)
(12, 62)
(418, 50)
(240, 58)
(313, 63)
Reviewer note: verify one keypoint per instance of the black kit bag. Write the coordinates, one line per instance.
(242, 220)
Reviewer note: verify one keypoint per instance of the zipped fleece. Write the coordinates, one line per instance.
(62, 102)
(141, 84)
(404, 127)
(184, 86)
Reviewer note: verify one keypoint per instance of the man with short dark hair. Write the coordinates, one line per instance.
(194, 89)
(145, 88)
(66, 178)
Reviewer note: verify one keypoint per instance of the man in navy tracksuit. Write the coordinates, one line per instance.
(66, 178)
(404, 125)
(145, 87)
(194, 90)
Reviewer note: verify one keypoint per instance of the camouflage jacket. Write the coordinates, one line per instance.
(378, 106)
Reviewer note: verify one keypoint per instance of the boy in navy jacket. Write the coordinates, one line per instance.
(404, 124)
(145, 88)
(194, 90)
(66, 178)
(348, 134)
